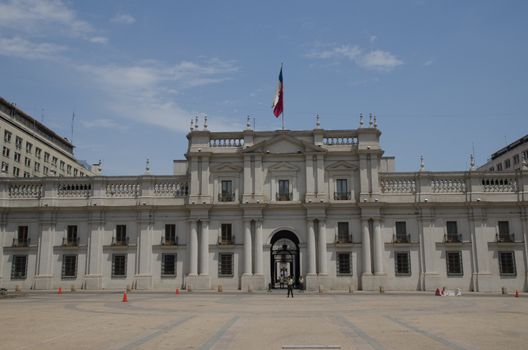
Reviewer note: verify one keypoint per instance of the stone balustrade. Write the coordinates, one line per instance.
(226, 142)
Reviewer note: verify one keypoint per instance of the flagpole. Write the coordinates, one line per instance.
(282, 99)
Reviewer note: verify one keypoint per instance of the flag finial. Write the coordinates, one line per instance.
(472, 162)
(422, 165)
(196, 122)
(317, 122)
(192, 124)
(147, 167)
(361, 120)
(375, 122)
(370, 120)
(248, 122)
(205, 122)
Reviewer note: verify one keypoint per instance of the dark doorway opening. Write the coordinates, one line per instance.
(285, 259)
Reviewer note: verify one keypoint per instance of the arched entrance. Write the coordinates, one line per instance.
(285, 258)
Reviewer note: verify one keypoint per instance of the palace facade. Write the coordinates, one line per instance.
(247, 207)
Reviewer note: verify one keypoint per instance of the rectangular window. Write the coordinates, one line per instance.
(119, 265)
(168, 264)
(37, 167)
(46, 157)
(227, 191)
(23, 235)
(68, 169)
(54, 161)
(402, 261)
(17, 157)
(26, 174)
(342, 232)
(170, 234)
(344, 264)
(507, 164)
(69, 266)
(38, 151)
(516, 159)
(284, 190)
(75, 172)
(454, 263)
(61, 165)
(16, 171)
(71, 235)
(499, 167)
(18, 143)
(507, 264)
(29, 147)
(45, 170)
(452, 231)
(504, 231)
(27, 162)
(401, 232)
(19, 267)
(5, 167)
(7, 136)
(341, 190)
(121, 235)
(225, 265)
(5, 152)
(226, 233)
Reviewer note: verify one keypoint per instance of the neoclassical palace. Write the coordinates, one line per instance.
(246, 208)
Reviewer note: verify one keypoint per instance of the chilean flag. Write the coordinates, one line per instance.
(278, 101)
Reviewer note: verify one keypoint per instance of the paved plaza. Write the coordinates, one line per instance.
(262, 321)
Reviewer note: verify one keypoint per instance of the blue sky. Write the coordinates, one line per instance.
(441, 76)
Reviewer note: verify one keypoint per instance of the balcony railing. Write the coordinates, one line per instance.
(342, 196)
(70, 242)
(342, 239)
(169, 242)
(505, 238)
(226, 197)
(284, 196)
(228, 241)
(120, 242)
(401, 238)
(21, 243)
(453, 238)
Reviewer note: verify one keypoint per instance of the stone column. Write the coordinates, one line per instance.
(258, 248)
(310, 183)
(247, 248)
(204, 249)
(94, 255)
(311, 247)
(44, 273)
(193, 249)
(144, 252)
(378, 248)
(365, 244)
(258, 176)
(323, 265)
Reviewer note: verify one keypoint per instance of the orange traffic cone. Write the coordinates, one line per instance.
(59, 292)
(516, 293)
(177, 291)
(125, 298)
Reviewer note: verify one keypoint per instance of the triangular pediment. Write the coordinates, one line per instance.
(283, 144)
(342, 165)
(226, 168)
(283, 166)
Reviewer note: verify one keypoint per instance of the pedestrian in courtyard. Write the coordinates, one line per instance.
(301, 283)
(290, 286)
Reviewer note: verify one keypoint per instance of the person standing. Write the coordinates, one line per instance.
(290, 286)
(301, 283)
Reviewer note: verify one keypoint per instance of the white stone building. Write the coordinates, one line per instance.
(29, 148)
(246, 206)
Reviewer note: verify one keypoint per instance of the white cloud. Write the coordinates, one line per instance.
(22, 48)
(372, 38)
(144, 91)
(379, 60)
(372, 60)
(40, 16)
(428, 63)
(123, 18)
(98, 40)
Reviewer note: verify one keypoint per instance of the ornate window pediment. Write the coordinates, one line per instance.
(283, 144)
(283, 167)
(342, 166)
(226, 168)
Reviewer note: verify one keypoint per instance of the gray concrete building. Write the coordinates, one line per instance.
(29, 148)
(246, 208)
(508, 158)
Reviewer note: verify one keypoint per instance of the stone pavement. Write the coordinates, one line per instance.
(85, 320)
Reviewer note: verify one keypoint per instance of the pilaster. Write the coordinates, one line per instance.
(193, 249)
(321, 188)
(44, 273)
(93, 280)
(323, 264)
(144, 250)
(204, 248)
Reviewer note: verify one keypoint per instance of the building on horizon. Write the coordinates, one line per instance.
(31, 149)
(246, 208)
(508, 158)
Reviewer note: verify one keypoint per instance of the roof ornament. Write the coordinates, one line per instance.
(248, 122)
(422, 165)
(192, 124)
(205, 122)
(317, 122)
(472, 162)
(147, 167)
(361, 120)
(196, 122)
(370, 120)
(375, 122)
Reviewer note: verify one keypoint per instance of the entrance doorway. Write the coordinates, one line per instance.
(285, 260)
